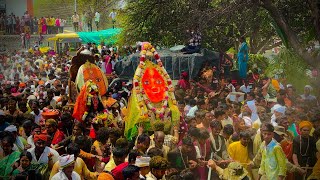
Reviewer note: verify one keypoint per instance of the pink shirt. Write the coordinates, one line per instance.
(58, 22)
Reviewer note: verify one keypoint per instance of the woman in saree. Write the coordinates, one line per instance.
(108, 65)
(243, 58)
(25, 164)
(44, 25)
(10, 157)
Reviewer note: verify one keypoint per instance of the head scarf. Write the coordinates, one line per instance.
(281, 109)
(278, 108)
(303, 124)
(66, 160)
(42, 137)
(11, 128)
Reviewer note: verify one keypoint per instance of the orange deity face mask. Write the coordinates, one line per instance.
(153, 85)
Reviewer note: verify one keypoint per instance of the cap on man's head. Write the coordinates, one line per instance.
(66, 160)
(142, 161)
(11, 128)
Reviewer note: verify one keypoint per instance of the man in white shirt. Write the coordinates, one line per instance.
(36, 130)
(143, 164)
(245, 87)
(75, 20)
(113, 15)
(36, 112)
(41, 153)
(97, 19)
(193, 109)
(66, 163)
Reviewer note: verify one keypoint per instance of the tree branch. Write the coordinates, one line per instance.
(313, 61)
(314, 6)
(265, 47)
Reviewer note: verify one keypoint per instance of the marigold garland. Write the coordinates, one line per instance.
(164, 111)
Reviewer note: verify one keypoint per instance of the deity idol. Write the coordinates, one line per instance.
(152, 95)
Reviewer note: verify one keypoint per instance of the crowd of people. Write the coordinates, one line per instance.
(85, 21)
(258, 128)
(13, 24)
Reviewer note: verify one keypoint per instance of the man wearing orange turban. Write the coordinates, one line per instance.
(41, 153)
(42, 137)
(304, 148)
(305, 124)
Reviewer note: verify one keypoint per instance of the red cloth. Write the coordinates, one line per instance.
(92, 133)
(58, 137)
(184, 84)
(117, 171)
(106, 159)
(80, 106)
(42, 137)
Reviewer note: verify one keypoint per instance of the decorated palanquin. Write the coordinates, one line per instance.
(89, 79)
(152, 95)
(90, 71)
(88, 102)
(76, 62)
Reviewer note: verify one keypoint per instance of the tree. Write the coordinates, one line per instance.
(298, 26)
(221, 22)
(167, 23)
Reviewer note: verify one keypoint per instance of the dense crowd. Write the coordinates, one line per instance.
(12, 24)
(258, 128)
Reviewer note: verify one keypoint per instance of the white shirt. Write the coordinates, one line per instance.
(113, 15)
(61, 176)
(75, 18)
(30, 141)
(231, 87)
(97, 17)
(44, 156)
(247, 121)
(38, 117)
(62, 22)
(245, 89)
(273, 120)
(192, 111)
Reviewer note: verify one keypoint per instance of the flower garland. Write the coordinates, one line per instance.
(150, 50)
(91, 97)
(164, 111)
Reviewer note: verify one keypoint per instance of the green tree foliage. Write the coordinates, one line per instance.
(290, 66)
(298, 23)
(167, 23)
(221, 22)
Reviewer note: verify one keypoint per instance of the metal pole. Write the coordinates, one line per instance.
(75, 5)
(210, 169)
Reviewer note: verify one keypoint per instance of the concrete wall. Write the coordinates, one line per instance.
(17, 7)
